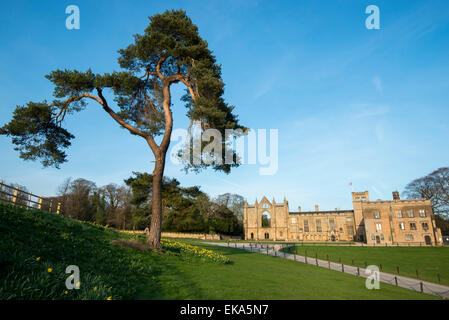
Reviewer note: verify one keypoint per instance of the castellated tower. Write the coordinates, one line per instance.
(357, 201)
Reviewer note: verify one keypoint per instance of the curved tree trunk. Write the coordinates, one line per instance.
(160, 152)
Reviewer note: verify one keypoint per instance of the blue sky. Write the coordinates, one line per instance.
(351, 104)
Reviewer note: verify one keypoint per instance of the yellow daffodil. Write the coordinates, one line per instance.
(109, 298)
(49, 269)
(38, 258)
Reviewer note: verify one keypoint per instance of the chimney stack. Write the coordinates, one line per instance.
(316, 208)
(396, 195)
(299, 209)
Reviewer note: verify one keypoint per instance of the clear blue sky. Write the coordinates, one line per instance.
(350, 104)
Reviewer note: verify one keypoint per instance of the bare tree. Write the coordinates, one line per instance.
(434, 187)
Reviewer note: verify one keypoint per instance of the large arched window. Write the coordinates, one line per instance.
(266, 220)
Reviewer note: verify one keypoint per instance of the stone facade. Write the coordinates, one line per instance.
(393, 222)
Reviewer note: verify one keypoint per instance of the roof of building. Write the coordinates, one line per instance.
(322, 212)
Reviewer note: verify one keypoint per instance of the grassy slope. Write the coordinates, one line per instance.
(119, 272)
(58, 242)
(257, 276)
(428, 260)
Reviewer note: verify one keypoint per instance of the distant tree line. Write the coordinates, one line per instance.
(434, 187)
(7, 193)
(128, 206)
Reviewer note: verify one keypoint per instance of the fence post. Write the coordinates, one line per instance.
(381, 267)
(438, 276)
(16, 191)
(39, 206)
(50, 206)
(421, 285)
(396, 280)
(342, 267)
(358, 271)
(29, 201)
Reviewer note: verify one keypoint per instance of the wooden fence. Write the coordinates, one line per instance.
(26, 199)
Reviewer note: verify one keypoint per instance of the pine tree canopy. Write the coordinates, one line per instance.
(169, 51)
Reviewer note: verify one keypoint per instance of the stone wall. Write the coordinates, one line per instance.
(202, 236)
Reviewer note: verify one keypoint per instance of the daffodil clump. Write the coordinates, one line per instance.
(205, 254)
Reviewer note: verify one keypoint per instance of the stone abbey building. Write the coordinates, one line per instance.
(390, 222)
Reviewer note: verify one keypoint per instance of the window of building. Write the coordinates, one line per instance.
(377, 215)
(306, 226)
(357, 199)
(252, 235)
(293, 220)
(379, 227)
(412, 226)
(409, 237)
(280, 233)
(410, 213)
(363, 199)
(382, 237)
(266, 219)
(318, 225)
(399, 214)
(340, 229)
(425, 226)
(350, 230)
(402, 225)
(267, 235)
(422, 213)
(265, 205)
(331, 224)
(349, 219)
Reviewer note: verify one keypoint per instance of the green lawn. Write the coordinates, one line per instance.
(36, 247)
(429, 261)
(258, 276)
